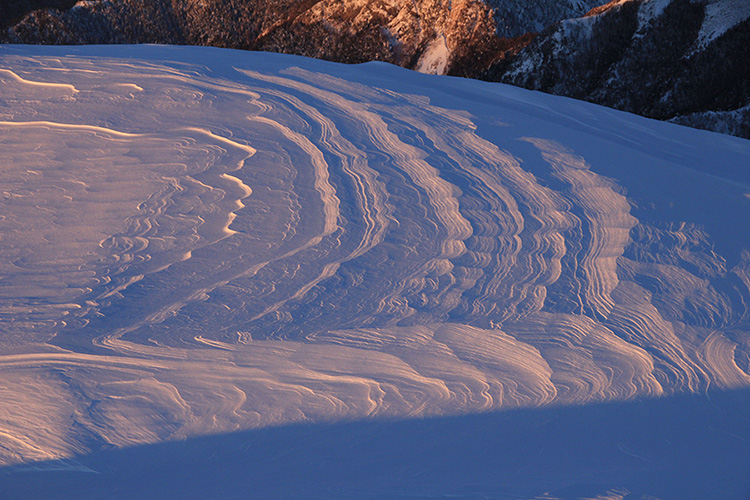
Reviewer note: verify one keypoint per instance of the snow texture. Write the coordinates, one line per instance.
(199, 241)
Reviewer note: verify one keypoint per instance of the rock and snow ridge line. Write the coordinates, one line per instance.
(679, 60)
(198, 241)
(396, 31)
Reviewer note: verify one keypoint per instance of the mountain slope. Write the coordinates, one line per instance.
(12, 11)
(404, 32)
(199, 241)
(679, 60)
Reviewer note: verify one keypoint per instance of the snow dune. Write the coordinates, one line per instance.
(197, 241)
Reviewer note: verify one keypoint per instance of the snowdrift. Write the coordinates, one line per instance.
(199, 241)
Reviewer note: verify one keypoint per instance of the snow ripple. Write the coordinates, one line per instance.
(211, 248)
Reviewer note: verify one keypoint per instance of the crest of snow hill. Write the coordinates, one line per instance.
(687, 61)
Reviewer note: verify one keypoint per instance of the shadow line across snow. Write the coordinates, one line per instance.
(678, 448)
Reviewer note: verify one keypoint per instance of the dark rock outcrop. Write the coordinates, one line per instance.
(674, 60)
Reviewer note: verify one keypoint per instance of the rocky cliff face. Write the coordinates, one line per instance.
(439, 36)
(687, 61)
(430, 34)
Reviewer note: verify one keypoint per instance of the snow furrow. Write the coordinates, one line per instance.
(193, 245)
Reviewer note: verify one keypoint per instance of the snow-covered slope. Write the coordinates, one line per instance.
(679, 60)
(197, 241)
(721, 16)
(516, 17)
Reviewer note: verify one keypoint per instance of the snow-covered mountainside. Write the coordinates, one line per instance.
(516, 17)
(431, 35)
(196, 241)
(687, 61)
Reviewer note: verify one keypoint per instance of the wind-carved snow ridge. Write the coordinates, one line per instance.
(198, 241)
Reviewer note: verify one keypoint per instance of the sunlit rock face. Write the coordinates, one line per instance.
(196, 241)
(455, 36)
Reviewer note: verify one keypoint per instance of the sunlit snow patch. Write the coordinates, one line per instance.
(435, 58)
